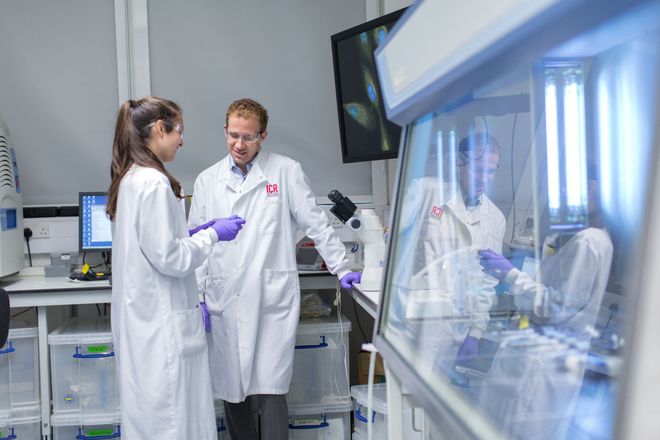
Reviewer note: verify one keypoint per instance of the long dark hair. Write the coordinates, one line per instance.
(130, 144)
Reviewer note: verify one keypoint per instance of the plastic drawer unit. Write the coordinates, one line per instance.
(378, 418)
(361, 416)
(75, 427)
(320, 365)
(21, 424)
(314, 422)
(83, 368)
(19, 370)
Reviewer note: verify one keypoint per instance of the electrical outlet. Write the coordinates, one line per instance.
(41, 230)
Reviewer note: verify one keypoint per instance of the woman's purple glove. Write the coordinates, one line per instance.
(469, 349)
(195, 230)
(349, 279)
(227, 228)
(494, 264)
(205, 317)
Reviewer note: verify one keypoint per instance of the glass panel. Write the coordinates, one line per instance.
(517, 223)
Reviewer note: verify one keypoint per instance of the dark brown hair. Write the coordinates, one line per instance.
(130, 144)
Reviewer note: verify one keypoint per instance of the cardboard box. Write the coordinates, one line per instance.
(363, 368)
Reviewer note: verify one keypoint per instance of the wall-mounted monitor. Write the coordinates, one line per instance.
(95, 226)
(365, 132)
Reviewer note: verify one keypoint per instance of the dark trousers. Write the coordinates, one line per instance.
(266, 412)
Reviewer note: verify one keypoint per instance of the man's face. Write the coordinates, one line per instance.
(240, 144)
(475, 175)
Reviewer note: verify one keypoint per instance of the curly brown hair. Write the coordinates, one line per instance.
(245, 108)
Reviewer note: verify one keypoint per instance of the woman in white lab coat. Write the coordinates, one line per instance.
(533, 384)
(162, 359)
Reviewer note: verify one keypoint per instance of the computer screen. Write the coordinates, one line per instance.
(95, 226)
(366, 133)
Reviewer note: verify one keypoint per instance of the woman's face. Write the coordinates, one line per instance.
(163, 143)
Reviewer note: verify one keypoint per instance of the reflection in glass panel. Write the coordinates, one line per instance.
(510, 264)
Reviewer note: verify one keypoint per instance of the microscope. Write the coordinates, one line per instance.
(368, 230)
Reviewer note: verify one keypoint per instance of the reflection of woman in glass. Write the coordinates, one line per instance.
(535, 378)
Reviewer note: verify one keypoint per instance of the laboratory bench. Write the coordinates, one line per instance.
(41, 292)
(367, 299)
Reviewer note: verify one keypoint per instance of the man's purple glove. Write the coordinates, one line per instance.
(205, 316)
(227, 228)
(469, 349)
(494, 264)
(349, 279)
(195, 230)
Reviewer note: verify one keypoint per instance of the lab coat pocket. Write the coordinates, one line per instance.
(217, 297)
(188, 331)
(280, 287)
(270, 216)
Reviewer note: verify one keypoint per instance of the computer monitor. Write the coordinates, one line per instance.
(365, 132)
(95, 226)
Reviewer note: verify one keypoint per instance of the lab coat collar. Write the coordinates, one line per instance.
(254, 178)
(457, 206)
(256, 175)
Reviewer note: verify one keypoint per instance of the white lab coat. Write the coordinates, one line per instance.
(442, 272)
(446, 224)
(532, 392)
(444, 231)
(571, 284)
(251, 283)
(162, 357)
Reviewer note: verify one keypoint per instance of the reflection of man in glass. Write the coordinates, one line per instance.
(446, 220)
(532, 386)
(452, 217)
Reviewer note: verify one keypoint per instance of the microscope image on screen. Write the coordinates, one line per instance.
(365, 131)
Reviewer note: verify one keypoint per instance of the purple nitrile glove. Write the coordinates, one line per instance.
(205, 317)
(494, 264)
(227, 228)
(469, 349)
(349, 279)
(196, 229)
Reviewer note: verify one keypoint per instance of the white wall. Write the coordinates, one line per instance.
(60, 86)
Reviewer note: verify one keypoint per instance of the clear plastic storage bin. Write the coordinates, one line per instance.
(83, 370)
(314, 422)
(21, 424)
(19, 369)
(320, 365)
(221, 421)
(378, 417)
(75, 427)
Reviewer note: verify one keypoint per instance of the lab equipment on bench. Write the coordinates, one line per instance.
(368, 230)
(11, 207)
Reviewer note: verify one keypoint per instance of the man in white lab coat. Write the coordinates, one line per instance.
(251, 285)
(447, 220)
